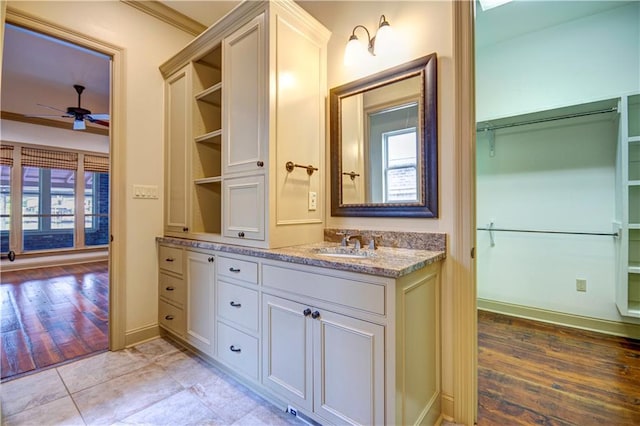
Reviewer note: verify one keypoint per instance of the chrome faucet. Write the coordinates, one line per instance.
(373, 242)
(346, 236)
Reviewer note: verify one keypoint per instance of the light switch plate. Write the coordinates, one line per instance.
(149, 192)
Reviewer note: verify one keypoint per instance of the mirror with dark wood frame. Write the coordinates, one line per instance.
(384, 143)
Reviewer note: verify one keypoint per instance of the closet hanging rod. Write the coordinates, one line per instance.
(544, 120)
(613, 234)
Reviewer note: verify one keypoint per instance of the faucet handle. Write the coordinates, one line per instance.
(373, 242)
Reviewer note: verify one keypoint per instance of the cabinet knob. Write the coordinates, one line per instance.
(210, 259)
(185, 229)
(260, 163)
(232, 269)
(241, 234)
(315, 315)
(169, 288)
(168, 317)
(235, 305)
(232, 348)
(307, 312)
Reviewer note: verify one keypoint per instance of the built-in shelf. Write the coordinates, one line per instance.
(207, 180)
(211, 137)
(634, 309)
(212, 95)
(634, 268)
(634, 183)
(634, 139)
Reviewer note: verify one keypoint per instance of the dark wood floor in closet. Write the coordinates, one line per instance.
(52, 315)
(536, 373)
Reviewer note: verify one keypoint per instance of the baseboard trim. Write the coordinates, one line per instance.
(615, 328)
(44, 261)
(446, 402)
(142, 334)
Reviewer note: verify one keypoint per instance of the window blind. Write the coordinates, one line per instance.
(35, 157)
(6, 155)
(96, 163)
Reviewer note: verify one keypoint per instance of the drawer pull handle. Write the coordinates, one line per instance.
(232, 269)
(260, 163)
(168, 317)
(315, 315)
(170, 289)
(169, 259)
(185, 229)
(210, 259)
(306, 312)
(232, 348)
(241, 234)
(235, 305)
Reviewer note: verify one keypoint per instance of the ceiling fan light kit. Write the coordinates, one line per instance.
(78, 113)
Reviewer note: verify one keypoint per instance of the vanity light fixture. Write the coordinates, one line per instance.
(376, 45)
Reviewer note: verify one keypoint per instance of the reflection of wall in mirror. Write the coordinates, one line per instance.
(386, 97)
(353, 190)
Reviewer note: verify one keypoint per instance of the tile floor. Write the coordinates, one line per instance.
(154, 383)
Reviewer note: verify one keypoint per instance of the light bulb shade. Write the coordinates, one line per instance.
(384, 42)
(354, 52)
(79, 125)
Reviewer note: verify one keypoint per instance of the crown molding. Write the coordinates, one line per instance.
(12, 116)
(166, 14)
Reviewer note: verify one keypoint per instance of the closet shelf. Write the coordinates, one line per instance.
(634, 267)
(212, 95)
(634, 183)
(634, 139)
(634, 226)
(207, 180)
(211, 137)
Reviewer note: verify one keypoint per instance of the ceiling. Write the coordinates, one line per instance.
(42, 70)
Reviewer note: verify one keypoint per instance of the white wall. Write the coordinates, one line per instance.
(584, 60)
(147, 42)
(558, 176)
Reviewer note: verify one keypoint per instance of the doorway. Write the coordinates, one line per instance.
(550, 166)
(56, 170)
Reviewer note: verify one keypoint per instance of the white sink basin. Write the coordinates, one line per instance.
(345, 252)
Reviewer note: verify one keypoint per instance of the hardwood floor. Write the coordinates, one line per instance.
(536, 373)
(52, 315)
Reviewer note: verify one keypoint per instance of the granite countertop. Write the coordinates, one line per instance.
(386, 261)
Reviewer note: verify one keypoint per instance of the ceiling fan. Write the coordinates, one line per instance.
(78, 113)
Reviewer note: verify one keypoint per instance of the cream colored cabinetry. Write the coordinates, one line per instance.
(628, 292)
(172, 289)
(257, 86)
(351, 348)
(177, 107)
(200, 307)
(237, 315)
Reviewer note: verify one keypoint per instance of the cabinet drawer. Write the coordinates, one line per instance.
(172, 288)
(352, 293)
(238, 304)
(171, 317)
(238, 269)
(171, 259)
(238, 350)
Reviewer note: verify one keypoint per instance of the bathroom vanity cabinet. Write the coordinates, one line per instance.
(241, 100)
(332, 339)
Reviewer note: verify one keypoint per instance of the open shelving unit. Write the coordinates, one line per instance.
(206, 161)
(629, 303)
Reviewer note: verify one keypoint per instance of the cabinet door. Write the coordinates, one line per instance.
(244, 98)
(200, 300)
(287, 351)
(244, 208)
(178, 130)
(349, 355)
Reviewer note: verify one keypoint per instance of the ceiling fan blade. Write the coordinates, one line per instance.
(55, 109)
(98, 116)
(79, 125)
(100, 122)
(48, 116)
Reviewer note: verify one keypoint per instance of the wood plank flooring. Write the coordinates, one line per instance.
(52, 315)
(535, 373)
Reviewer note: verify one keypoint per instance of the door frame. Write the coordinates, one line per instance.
(116, 150)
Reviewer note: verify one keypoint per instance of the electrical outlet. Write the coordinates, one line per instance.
(292, 410)
(313, 201)
(581, 285)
